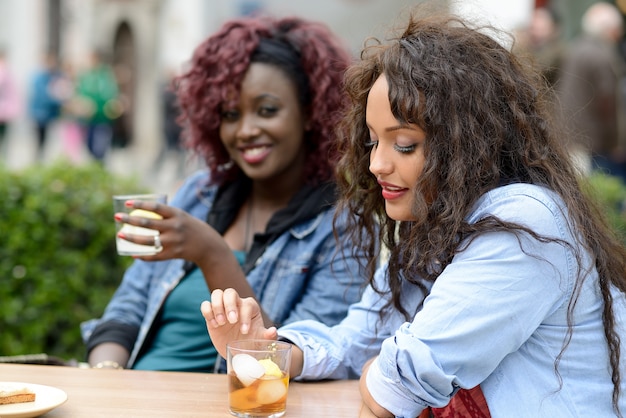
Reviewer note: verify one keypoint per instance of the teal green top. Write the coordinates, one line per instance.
(241, 256)
(181, 341)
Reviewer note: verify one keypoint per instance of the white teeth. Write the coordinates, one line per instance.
(253, 152)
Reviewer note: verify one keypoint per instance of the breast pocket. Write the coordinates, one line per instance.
(280, 282)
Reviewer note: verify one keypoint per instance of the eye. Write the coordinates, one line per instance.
(405, 149)
(268, 111)
(230, 115)
(371, 143)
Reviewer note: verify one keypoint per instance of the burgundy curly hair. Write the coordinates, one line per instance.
(217, 69)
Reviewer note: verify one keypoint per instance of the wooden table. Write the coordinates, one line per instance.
(135, 394)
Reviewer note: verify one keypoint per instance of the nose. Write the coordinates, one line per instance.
(247, 128)
(380, 163)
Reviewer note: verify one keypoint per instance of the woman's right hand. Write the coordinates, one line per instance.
(230, 317)
(182, 235)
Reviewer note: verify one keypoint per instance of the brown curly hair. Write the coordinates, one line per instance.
(219, 65)
(487, 122)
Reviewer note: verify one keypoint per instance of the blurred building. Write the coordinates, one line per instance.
(145, 39)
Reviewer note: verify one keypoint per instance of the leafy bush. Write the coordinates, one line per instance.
(58, 263)
(610, 192)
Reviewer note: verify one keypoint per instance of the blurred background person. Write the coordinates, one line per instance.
(98, 95)
(9, 101)
(546, 44)
(45, 100)
(120, 125)
(71, 132)
(590, 95)
(171, 148)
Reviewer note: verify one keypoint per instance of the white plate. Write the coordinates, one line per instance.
(47, 398)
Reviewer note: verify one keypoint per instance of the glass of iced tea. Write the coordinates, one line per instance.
(258, 377)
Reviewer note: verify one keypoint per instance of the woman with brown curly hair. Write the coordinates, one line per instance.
(261, 102)
(503, 291)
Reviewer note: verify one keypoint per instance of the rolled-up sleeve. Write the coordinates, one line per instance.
(339, 352)
(390, 394)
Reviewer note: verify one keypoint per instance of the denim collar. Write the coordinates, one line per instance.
(306, 204)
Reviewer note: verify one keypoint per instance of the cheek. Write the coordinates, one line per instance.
(414, 169)
(293, 133)
(227, 133)
(420, 169)
(427, 191)
(223, 132)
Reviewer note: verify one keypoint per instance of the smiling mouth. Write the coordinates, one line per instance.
(393, 188)
(254, 155)
(393, 192)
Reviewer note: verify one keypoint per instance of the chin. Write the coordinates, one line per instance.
(402, 219)
(400, 216)
(399, 211)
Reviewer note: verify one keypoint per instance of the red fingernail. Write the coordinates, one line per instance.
(118, 216)
(121, 235)
(129, 203)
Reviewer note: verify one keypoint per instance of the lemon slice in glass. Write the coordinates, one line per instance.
(145, 214)
(271, 368)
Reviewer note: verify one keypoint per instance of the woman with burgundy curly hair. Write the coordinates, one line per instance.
(313, 59)
(260, 103)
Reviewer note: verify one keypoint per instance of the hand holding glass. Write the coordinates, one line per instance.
(130, 248)
(258, 377)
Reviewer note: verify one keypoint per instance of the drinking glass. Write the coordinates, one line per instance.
(130, 248)
(258, 377)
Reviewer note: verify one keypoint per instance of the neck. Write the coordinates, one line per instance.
(273, 195)
(259, 209)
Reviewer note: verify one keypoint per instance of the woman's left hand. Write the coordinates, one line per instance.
(230, 317)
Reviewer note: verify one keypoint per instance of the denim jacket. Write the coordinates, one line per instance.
(298, 276)
(496, 316)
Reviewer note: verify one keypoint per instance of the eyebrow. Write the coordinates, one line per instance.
(399, 127)
(264, 96)
(394, 128)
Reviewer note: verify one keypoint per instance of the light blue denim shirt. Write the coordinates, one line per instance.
(496, 316)
(299, 276)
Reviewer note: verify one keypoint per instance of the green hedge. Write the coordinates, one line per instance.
(610, 192)
(58, 264)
